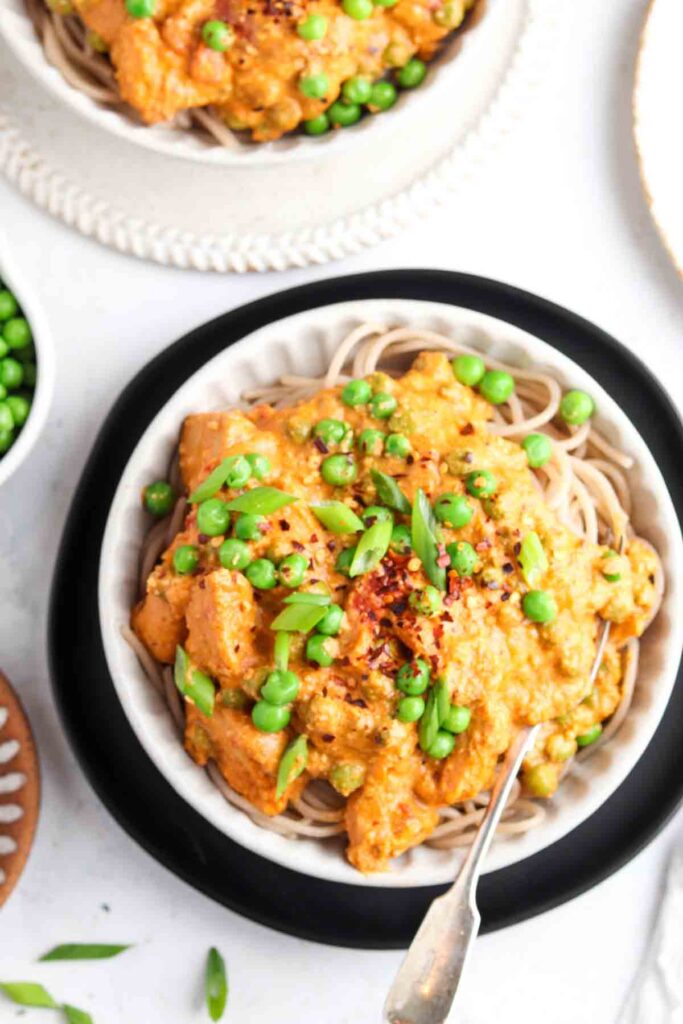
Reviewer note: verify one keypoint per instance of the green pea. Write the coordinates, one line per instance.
(185, 559)
(330, 431)
(480, 483)
(344, 560)
(469, 370)
(401, 541)
(339, 470)
(213, 517)
(314, 87)
(259, 465)
(412, 74)
(356, 392)
(426, 602)
(611, 577)
(317, 125)
(248, 526)
(317, 650)
(383, 405)
(397, 445)
(413, 677)
(20, 407)
(330, 624)
(359, 10)
(539, 606)
(281, 687)
(442, 745)
(463, 557)
(410, 709)
(357, 89)
(576, 407)
(457, 719)
(343, 115)
(346, 778)
(8, 305)
(159, 498)
(141, 8)
(453, 510)
(29, 375)
(6, 440)
(218, 36)
(450, 14)
(376, 514)
(371, 441)
(262, 574)
(497, 386)
(11, 373)
(17, 333)
(538, 448)
(270, 717)
(292, 570)
(541, 780)
(234, 554)
(314, 27)
(238, 471)
(383, 96)
(590, 736)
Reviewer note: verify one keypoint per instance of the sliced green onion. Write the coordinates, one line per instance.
(299, 618)
(308, 597)
(372, 547)
(216, 479)
(292, 763)
(28, 993)
(281, 652)
(337, 517)
(389, 493)
(443, 700)
(261, 501)
(424, 537)
(84, 950)
(532, 559)
(193, 684)
(215, 984)
(429, 723)
(75, 1016)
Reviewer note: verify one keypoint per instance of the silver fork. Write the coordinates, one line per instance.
(428, 979)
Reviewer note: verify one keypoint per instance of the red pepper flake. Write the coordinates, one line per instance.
(505, 596)
(203, 538)
(202, 583)
(517, 548)
(284, 525)
(387, 623)
(410, 459)
(468, 457)
(508, 567)
(331, 546)
(483, 545)
(356, 701)
(467, 430)
(297, 545)
(321, 446)
(327, 737)
(314, 538)
(444, 559)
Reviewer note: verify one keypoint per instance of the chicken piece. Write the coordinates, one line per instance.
(208, 437)
(159, 625)
(385, 818)
(247, 758)
(221, 622)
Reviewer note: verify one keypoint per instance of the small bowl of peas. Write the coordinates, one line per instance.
(26, 368)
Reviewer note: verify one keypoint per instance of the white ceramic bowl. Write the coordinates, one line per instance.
(303, 343)
(465, 67)
(44, 361)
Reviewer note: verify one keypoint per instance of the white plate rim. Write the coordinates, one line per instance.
(175, 765)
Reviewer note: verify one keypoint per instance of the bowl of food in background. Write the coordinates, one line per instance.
(26, 367)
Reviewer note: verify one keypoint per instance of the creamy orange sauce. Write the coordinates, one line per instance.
(507, 670)
(164, 67)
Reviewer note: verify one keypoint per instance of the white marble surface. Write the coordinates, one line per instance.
(558, 210)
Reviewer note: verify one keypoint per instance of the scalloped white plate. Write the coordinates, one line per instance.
(302, 201)
(304, 343)
(658, 124)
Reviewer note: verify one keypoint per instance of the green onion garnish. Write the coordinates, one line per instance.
(424, 536)
(292, 763)
(281, 652)
(193, 684)
(261, 501)
(84, 950)
(75, 1016)
(28, 993)
(372, 547)
(429, 723)
(532, 559)
(308, 597)
(215, 480)
(215, 984)
(443, 700)
(299, 618)
(389, 493)
(337, 517)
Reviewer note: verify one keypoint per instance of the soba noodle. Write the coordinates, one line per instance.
(584, 483)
